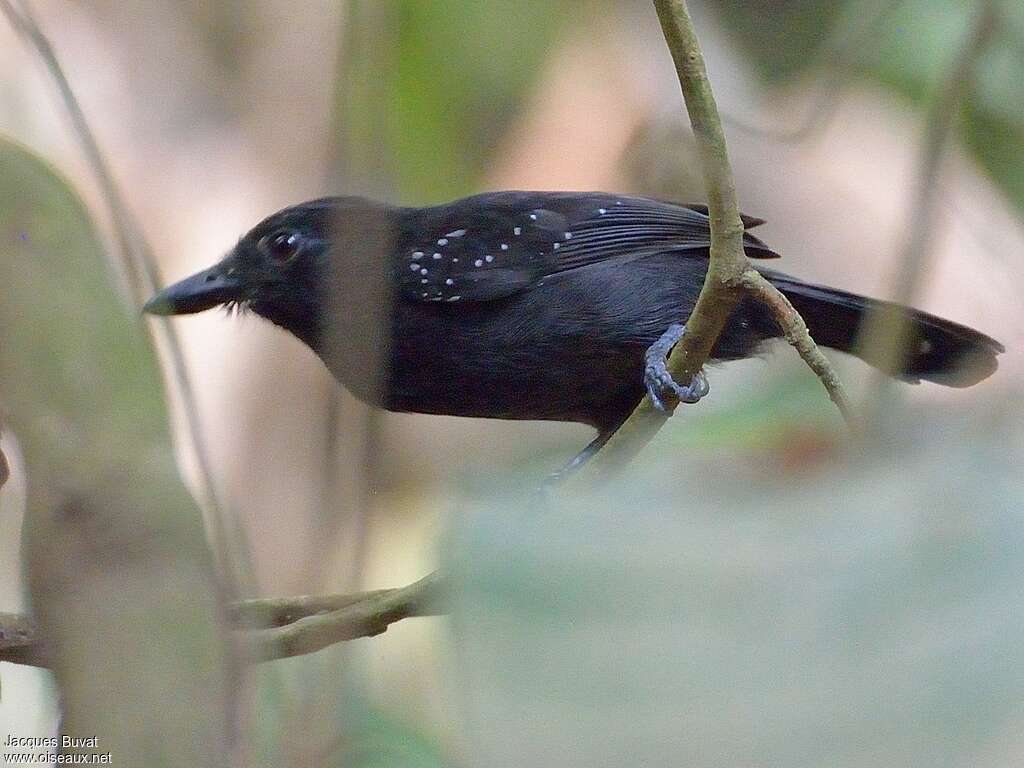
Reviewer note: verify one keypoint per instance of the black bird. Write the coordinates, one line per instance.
(528, 305)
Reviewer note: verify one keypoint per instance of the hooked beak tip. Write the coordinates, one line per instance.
(199, 292)
(160, 304)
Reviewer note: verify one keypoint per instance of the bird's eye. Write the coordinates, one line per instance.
(282, 246)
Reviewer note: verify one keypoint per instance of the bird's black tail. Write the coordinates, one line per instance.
(940, 350)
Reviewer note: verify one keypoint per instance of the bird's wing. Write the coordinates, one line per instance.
(495, 245)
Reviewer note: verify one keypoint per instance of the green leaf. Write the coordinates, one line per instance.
(77, 369)
(119, 571)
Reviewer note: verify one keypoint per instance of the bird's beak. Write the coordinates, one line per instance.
(204, 290)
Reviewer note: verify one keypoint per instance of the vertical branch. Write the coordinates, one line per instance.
(887, 330)
(729, 276)
(135, 259)
(721, 290)
(359, 163)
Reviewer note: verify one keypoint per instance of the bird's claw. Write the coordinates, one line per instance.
(659, 381)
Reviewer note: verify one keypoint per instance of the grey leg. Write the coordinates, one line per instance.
(659, 381)
(579, 459)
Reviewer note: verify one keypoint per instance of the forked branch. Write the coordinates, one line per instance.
(730, 275)
(275, 628)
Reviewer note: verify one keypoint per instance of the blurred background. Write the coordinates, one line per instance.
(830, 608)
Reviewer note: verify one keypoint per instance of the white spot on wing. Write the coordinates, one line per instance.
(488, 258)
(504, 246)
(449, 281)
(517, 230)
(456, 233)
(442, 241)
(478, 263)
(414, 267)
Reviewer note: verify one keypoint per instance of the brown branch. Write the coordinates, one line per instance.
(799, 337)
(19, 641)
(367, 616)
(275, 628)
(729, 274)
(5, 467)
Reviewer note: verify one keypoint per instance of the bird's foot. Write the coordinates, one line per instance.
(581, 458)
(659, 381)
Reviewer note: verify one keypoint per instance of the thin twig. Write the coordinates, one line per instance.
(269, 612)
(888, 330)
(134, 258)
(721, 290)
(366, 617)
(19, 641)
(278, 627)
(359, 164)
(799, 337)
(729, 274)
(5, 467)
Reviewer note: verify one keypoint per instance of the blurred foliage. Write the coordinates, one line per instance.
(721, 611)
(78, 371)
(781, 37)
(464, 69)
(909, 52)
(784, 402)
(119, 572)
(455, 73)
(310, 713)
(790, 410)
(79, 379)
(375, 740)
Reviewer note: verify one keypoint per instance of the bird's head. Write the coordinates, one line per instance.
(277, 270)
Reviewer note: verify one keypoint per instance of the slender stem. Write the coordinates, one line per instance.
(799, 337)
(5, 467)
(729, 274)
(720, 292)
(278, 627)
(268, 612)
(135, 259)
(366, 616)
(19, 641)
(888, 331)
